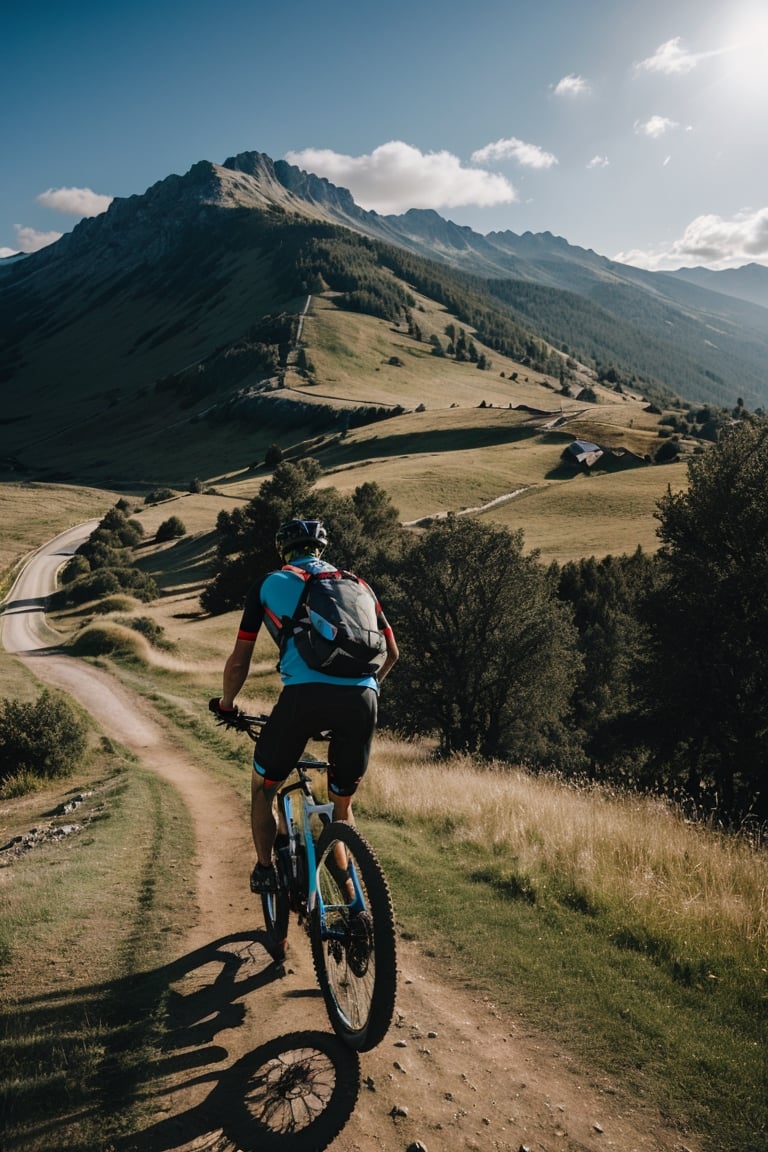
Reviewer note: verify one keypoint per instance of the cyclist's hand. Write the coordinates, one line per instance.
(223, 715)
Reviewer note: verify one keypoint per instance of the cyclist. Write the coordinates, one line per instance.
(309, 702)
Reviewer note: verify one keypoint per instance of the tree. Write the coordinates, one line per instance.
(608, 598)
(711, 625)
(273, 456)
(488, 653)
(360, 527)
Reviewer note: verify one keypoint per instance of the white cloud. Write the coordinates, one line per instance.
(598, 162)
(712, 241)
(397, 176)
(75, 201)
(572, 86)
(30, 240)
(673, 60)
(8, 252)
(656, 126)
(529, 155)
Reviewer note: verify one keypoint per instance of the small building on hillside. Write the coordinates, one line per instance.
(582, 454)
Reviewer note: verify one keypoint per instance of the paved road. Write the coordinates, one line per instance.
(23, 625)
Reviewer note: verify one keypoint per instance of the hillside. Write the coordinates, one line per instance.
(149, 344)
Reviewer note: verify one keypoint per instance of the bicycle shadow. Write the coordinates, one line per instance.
(293, 1094)
(292, 1089)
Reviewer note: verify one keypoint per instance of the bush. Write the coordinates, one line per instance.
(106, 582)
(150, 629)
(73, 569)
(107, 640)
(157, 495)
(113, 604)
(103, 582)
(170, 529)
(46, 739)
(670, 450)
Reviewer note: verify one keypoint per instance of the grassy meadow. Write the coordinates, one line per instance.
(637, 939)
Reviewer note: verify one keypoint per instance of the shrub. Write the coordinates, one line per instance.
(670, 450)
(103, 582)
(107, 640)
(170, 529)
(106, 582)
(157, 495)
(150, 629)
(45, 739)
(73, 569)
(18, 784)
(113, 604)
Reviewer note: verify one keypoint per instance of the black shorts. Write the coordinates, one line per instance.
(303, 710)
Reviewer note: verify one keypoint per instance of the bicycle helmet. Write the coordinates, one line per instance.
(301, 534)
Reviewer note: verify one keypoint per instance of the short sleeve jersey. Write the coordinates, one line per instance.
(277, 595)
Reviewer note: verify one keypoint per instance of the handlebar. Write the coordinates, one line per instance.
(241, 722)
(251, 725)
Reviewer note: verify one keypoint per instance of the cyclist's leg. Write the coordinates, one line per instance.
(348, 755)
(352, 725)
(263, 822)
(280, 744)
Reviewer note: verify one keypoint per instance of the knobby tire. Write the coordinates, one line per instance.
(276, 908)
(356, 968)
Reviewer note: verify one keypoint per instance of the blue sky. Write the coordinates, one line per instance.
(636, 129)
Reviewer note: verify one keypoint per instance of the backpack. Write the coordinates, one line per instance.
(335, 625)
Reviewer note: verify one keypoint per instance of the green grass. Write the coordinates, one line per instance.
(88, 933)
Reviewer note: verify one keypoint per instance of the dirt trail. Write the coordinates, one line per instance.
(253, 1059)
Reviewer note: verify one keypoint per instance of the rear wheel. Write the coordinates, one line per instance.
(353, 938)
(276, 909)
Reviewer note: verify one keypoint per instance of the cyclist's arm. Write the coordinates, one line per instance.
(393, 653)
(236, 671)
(239, 660)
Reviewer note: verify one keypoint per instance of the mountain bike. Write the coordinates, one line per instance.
(329, 877)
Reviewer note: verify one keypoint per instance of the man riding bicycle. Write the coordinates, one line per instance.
(310, 701)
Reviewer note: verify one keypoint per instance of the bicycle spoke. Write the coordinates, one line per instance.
(354, 948)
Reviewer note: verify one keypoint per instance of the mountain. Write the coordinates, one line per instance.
(749, 282)
(174, 303)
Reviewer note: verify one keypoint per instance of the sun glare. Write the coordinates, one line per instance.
(745, 41)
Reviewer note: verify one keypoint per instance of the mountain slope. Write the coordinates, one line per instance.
(177, 302)
(747, 283)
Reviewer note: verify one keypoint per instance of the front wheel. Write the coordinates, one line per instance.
(352, 929)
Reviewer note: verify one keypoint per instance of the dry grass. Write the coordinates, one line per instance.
(632, 856)
(31, 513)
(598, 515)
(351, 351)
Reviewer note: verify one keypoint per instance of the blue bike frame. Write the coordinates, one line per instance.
(300, 831)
